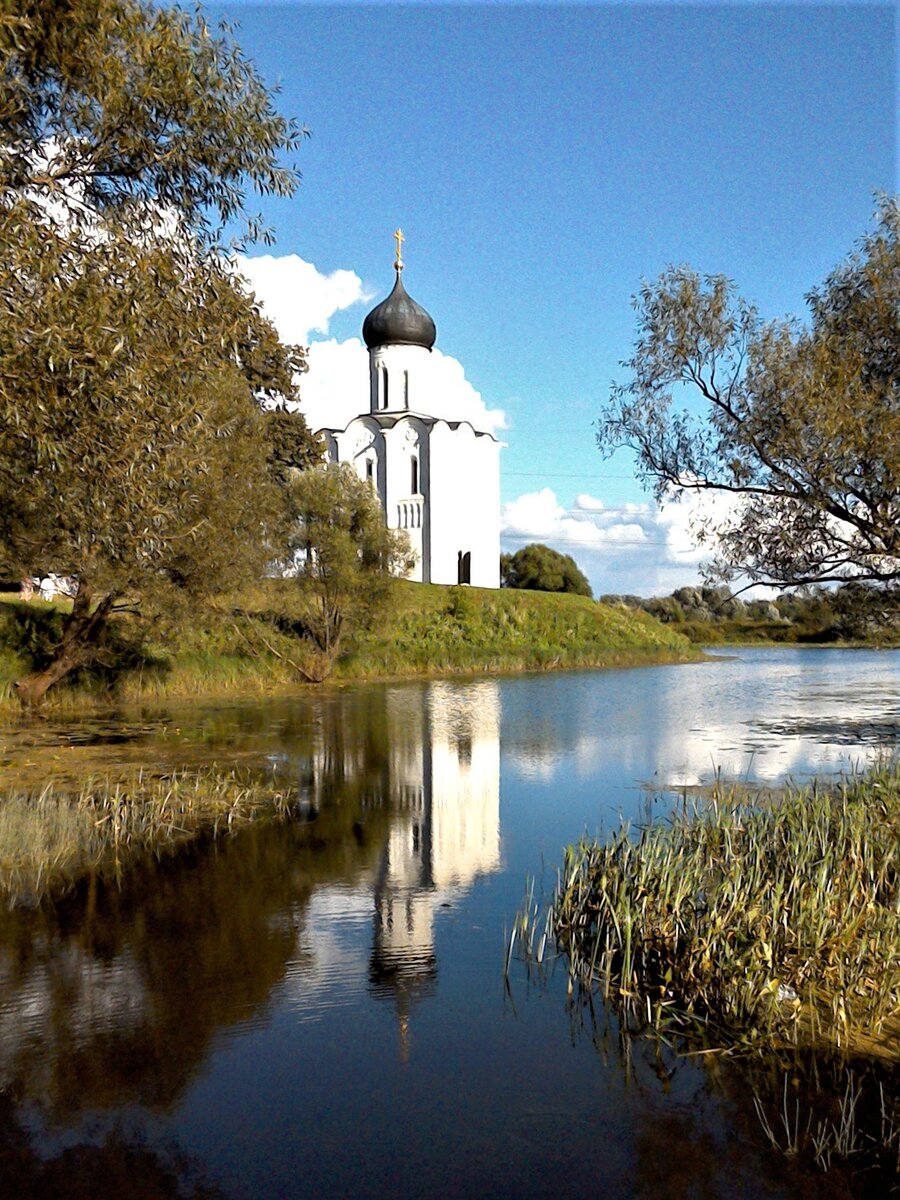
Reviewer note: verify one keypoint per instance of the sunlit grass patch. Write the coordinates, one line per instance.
(433, 629)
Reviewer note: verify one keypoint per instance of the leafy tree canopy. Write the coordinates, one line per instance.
(799, 424)
(133, 453)
(347, 554)
(292, 446)
(539, 568)
(104, 102)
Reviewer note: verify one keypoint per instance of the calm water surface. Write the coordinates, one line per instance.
(318, 1009)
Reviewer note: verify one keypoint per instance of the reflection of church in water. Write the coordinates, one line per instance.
(445, 789)
(433, 769)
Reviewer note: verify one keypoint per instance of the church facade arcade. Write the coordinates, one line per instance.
(438, 479)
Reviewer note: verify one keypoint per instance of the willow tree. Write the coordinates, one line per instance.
(133, 455)
(797, 423)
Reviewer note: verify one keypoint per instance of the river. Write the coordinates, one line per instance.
(318, 1008)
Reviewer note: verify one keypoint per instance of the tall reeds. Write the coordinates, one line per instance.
(52, 838)
(745, 925)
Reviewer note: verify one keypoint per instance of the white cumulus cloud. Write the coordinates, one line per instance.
(335, 389)
(454, 398)
(639, 548)
(297, 298)
(300, 301)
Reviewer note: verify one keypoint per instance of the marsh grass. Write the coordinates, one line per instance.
(855, 1129)
(52, 838)
(739, 926)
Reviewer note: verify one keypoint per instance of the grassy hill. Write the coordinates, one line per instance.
(246, 644)
(434, 629)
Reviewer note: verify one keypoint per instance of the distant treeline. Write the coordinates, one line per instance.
(854, 612)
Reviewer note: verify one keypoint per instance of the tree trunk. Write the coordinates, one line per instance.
(80, 636)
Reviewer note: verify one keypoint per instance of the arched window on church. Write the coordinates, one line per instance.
(370, 470)
(414, 476)
(384, 387)
(464, 566)
(406, 392)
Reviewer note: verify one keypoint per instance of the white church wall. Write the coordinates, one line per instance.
(464, 505)
(361, 446)
(406, 456)
(486, 522)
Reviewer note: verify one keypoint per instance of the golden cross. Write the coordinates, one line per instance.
(399, 239)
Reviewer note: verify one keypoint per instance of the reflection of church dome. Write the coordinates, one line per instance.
(398, 319)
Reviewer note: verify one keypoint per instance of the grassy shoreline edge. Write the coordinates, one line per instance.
(242, 648)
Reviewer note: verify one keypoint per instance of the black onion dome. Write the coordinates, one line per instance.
(399, 319)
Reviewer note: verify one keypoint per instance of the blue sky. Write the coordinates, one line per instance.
(542, 160)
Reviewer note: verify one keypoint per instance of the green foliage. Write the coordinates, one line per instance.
(854, 612)
(133, 455)
(32, 632)
(292, 445)
(103, 102)
(802, 423)
(347, 553)
(539, 568)
(142, 436)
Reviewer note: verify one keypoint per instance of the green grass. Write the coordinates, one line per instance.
(245, 644)
(744, 926)
(438, 630)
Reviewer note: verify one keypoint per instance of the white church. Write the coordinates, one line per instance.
(438, 480)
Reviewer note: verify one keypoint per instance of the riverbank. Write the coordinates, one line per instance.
(249, 645)
(744, 927)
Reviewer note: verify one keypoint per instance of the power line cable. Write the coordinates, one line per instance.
(563, 475)
(531, 537)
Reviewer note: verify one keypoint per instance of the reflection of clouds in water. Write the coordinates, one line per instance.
(330, 966)
(537, 765)
(65, 998)
(762, 716)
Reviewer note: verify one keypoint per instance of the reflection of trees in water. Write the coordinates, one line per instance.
(109, 1170)
(114, 996)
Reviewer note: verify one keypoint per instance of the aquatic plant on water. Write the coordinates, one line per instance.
(51, 838)
(740, 926)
